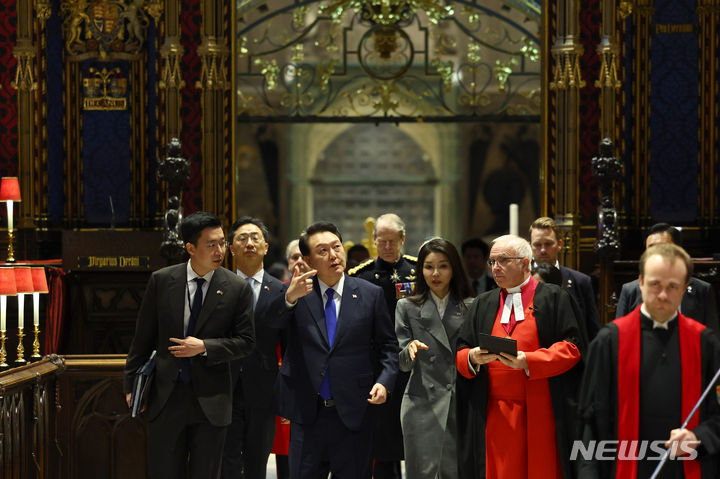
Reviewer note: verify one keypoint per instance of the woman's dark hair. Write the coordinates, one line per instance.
(459, 286)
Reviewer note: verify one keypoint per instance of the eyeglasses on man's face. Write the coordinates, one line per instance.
(254, 237)
(503, 261)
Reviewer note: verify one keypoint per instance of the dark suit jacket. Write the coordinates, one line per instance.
(256, 373)
(363, 322)
(698, 301)
(579, 285)
(225, 324)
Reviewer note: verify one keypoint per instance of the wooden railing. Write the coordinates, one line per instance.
(65, 417)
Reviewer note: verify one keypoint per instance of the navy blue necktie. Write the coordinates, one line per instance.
(195, 308)
(331, 325)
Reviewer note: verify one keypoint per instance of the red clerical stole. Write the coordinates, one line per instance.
(629, 350)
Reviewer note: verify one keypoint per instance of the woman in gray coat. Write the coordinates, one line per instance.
(426, 325)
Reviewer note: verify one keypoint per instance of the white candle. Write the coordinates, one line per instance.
(36, 309)
(3, 312)
(21, 310)
(10, 215)
(514, 219)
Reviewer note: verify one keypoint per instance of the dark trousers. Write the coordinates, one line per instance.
(181, 441)
(387, 470)
(249, 440)
(328, 445)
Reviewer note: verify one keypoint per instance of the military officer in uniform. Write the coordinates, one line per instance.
(395, 273)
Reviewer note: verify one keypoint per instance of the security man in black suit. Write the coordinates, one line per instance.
(698, 302)
(250, 435)
(546, 245)
(198, 317)
(395, 273)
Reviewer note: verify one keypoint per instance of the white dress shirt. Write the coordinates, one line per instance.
(256, 284)
(191, 288)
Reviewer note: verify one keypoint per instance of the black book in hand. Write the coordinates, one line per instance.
(497, 345)
(141, 386)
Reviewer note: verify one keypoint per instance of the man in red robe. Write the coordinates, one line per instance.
(515, 413)
(644, 373)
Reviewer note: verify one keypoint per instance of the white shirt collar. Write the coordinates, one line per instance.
(557, 263)
(440, 303)
(518, 288)
(191, 274)
(257, 276)
(513, 303)
(338, 288)
(657, 324)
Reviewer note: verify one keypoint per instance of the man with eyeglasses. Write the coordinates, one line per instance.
(395, 273)
(198, 317)
(515, 414)
(546, 244)
(250, 435)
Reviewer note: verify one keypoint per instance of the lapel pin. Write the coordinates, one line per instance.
(219, 291)
(266, 288)
(355, 296)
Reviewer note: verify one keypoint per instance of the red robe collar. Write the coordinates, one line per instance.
(527, 293)
(629, 349)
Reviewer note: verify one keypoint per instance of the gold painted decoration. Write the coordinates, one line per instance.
(445, 69)
(105, 90)
(369, 240)
(530, 50)
(608, 76)
(213, 73)
(154, 8)
(503, 70)
(384, 58)
(24, 74)
(43, 10)
(106, 29)
(625, 9)
(270, 71)
(170, 74)
(389, 12)
(566, 73)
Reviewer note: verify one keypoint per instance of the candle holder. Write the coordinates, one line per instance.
(9, 193)
(20, 349)
(3, 352)
(11, 247)
(36, 343)
(39, 287)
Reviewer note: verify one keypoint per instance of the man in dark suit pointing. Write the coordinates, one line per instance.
(327, 381)
(198, 317)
